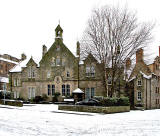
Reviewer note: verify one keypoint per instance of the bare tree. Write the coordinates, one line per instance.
(112, 35)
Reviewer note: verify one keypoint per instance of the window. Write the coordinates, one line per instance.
(53, 61)
(31, 72)
(92, 92)
(58, 62)
(157, 101)
(87, 71)
(15, 82)
(109, 80)
(16, 94)
(63, 90)
(63, 62)
(49, 90)
(87, 93)
(90, 71)
(58, 48)
(48, 74)
(53, 90)
(31, 92)
(139, 96)
(139, 82)
(68, 90)
(68, 74)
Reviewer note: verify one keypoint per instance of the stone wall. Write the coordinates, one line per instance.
(94, 109)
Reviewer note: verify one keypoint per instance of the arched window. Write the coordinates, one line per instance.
(68, 90)
(68, 74)
(58, 62)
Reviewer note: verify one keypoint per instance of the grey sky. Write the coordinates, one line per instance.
(25, 25)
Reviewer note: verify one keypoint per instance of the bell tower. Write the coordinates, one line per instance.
(59, 32)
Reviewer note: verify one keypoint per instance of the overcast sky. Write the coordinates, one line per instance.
(25, 25)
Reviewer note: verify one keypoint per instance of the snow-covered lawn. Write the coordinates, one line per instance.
(47, 120)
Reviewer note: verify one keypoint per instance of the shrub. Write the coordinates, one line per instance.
(55, 97)
(123, 101)
(44, 97)
(37, 99)
(107, 101)
(99, 98)
(7, 95)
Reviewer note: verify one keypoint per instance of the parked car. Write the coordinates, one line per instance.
(89, 102)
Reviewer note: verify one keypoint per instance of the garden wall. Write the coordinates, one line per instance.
(94, 109)
(12, 102)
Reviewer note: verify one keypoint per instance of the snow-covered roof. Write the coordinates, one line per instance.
(4, 80)
(19, 66)
(145, 76)
(81, 62)
(7, 60)
(78, 91)
(132, 79)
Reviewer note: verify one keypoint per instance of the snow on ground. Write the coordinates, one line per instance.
(47, 120)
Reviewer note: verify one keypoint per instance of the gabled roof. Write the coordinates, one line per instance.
(20, 65)
(91, 58)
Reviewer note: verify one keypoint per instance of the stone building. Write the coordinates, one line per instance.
(58, 71)
(6, 63)
(144, 83)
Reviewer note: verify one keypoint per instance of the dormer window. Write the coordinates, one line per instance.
(31, 72)
(90, 71)
(139, 82)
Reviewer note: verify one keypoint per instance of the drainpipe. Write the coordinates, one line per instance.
(150, 93)
(146, 95)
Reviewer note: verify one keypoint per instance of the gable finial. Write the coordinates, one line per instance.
(59, 22)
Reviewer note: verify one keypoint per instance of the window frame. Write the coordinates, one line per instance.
(139, 95)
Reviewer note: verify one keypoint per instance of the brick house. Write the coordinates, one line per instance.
(6, 63)
(58, 71)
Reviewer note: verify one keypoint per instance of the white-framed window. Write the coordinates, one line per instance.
(16, 82)
(31, 72)
(139, 96)
(16, 94)
(31, 92)
(139, 82)
(90, 71)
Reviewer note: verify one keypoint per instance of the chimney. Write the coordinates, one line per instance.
(78, 48)
(128, 63)
(23, 56)
(44, 48)
(139, 55)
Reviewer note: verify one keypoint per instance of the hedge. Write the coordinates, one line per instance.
(114, 101)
